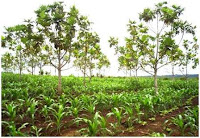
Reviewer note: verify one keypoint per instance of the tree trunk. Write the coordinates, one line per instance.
(20, 64)
(59, 74)
(84, 74)
(155, 81)
(136, 73)
(59, 81)
(90, 75)
(186, 74)
(32, 70)
(130, 73)
(172, 71)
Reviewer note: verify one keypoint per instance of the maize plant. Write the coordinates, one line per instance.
(36, 131)
(117, 113)
(32, 110)
(11, 111)
(13, 130)
(129, 112)
(180, 123)
(58, 114)
(92, 125)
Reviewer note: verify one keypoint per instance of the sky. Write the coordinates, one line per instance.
(109, 18)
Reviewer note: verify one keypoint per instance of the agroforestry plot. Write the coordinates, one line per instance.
(106, 107)
(95, 105)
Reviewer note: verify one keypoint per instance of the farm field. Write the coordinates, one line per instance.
(108, 106)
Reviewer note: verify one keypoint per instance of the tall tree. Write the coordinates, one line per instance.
(59, 28)
(162, 44)
(158, 46)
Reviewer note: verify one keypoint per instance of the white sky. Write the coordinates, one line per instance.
(110, 18)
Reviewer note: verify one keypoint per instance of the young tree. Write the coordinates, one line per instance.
(163, 40)
(88, 53)
(7, 62)
(59, 28)
(129, 57)
(190, 55)
(158, 47)
(13, 40)
(103, 62)
(33, 41)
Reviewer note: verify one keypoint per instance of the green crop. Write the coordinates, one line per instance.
(35, 131)
(117, 113)
(11, 111)
(129, 112)
(13, 130)
(32, 109)
(92, 125)
(58, 115)
(179, 122)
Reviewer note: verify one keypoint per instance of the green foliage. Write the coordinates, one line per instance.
(13, 130)
(11, 111)
(117, 113)
(37, 97)
(58, 114)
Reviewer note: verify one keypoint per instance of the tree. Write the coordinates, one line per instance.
(89, 51)
(190, 55)
(7, 62)
(102, 62)
(165, 37)
(59, 29)
(33, 41)
(13, 40)
(129, 57)
(159, 47)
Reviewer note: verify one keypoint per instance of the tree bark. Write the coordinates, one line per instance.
(59, 74)
(59, 81)
(155, 81)
(186, 74)
(172, 71)
(136, 73)
(32, 69)
(90, 75)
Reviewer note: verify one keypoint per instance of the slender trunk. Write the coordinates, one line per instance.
(155, 81)
(20, 64)
(84, 74)
(59, 74)
(173, 71)
(59, 81)
(90, 75)
(32, 69)
(130, 73)
(155, 67)
(186, 74)
(55, 71)
(50, 67)
(84, 80)
(136, 73)
(40, 69)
